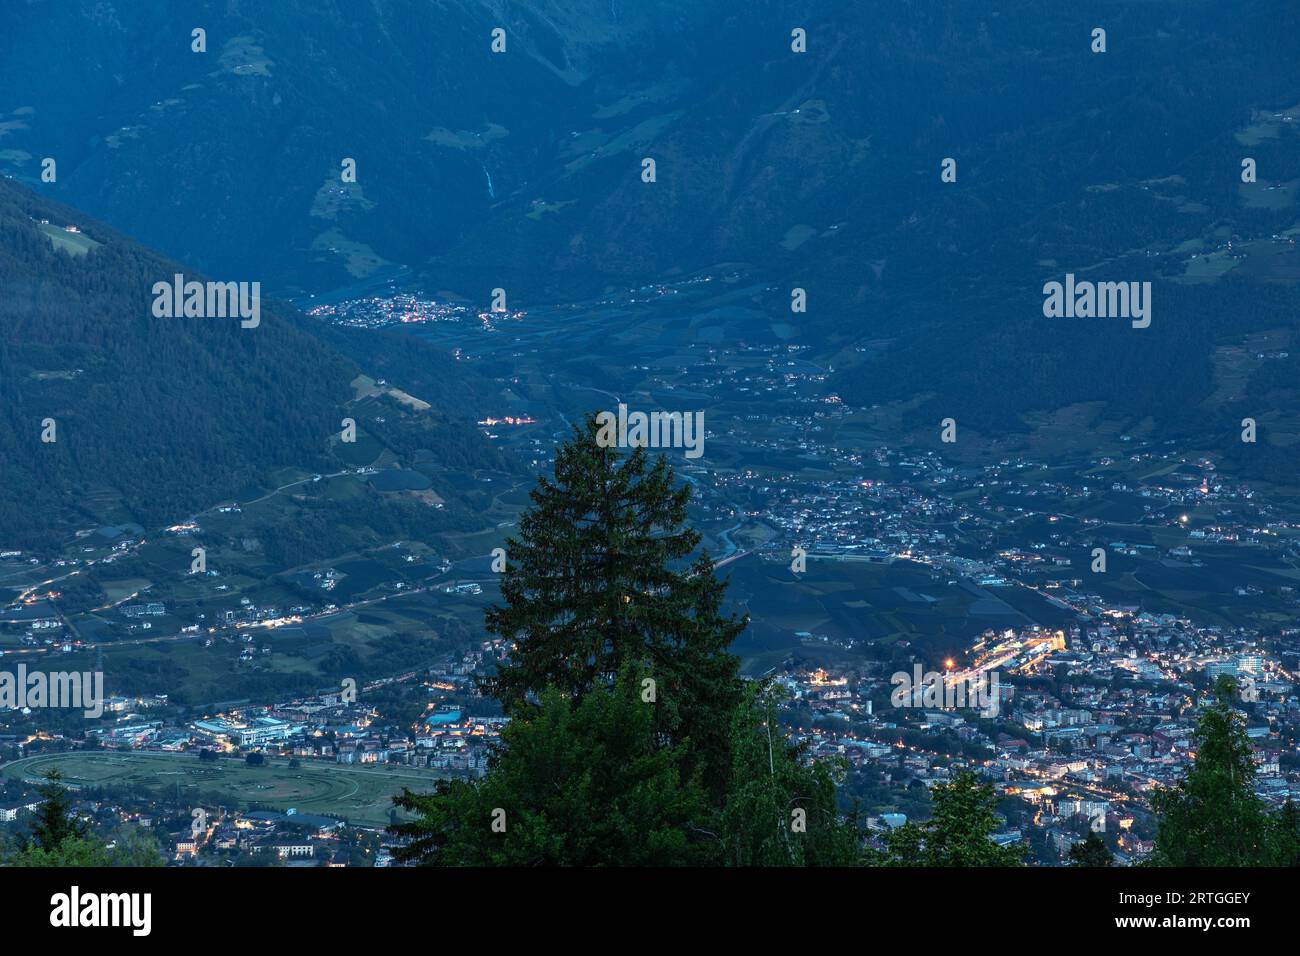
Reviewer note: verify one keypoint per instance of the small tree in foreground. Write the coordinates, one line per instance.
(1214, 817)
(54, 821)
(958, 833)
(570, 786)
(59, 839)
(1091, 852)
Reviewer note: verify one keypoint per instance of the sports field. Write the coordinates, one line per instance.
(360, 795)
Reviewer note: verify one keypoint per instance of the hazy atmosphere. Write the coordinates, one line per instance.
(583, 433)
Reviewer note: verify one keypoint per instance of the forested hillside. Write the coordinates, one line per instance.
(152, 416)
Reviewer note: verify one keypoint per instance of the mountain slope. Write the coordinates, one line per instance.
(231, 158)
(153, 417)
(819, 170)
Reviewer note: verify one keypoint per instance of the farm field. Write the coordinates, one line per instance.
(73, 243)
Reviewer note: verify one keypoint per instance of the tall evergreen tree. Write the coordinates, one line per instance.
(598, 578)
(1213, 817)
(632, 738)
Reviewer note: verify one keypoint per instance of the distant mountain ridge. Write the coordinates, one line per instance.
(523, 169)
(231, 158)
(818, 170)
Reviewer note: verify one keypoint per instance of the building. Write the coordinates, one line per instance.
(254, 733)
(287, 851)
